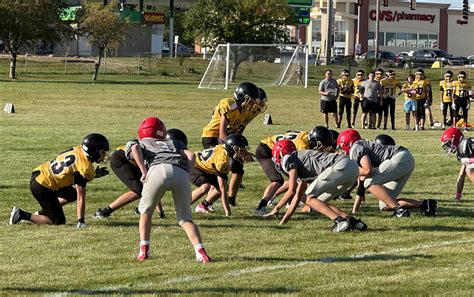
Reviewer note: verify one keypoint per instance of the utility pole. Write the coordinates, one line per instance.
(377, 30)
(170, 31)
(329, 34)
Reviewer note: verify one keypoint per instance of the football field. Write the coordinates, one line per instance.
(416, 256)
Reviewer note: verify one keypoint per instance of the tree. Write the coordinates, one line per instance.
(103, 27)
(213, 22)
(23, 23)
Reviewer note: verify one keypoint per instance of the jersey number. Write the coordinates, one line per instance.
(205, 154)
(291, 135)
(58, 166)
(419, 90)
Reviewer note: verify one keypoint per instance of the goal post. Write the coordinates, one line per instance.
(263, 64)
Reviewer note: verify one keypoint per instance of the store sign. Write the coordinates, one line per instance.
(69, 13)
(154, 18)
(396, 16)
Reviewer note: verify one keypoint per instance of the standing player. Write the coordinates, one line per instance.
(232, 115)
(164, 167)
(422, 88)
(329, 90)
(384, 170)
(371, 102)
(346, 85)
(358, 80)
(461, 97)
(63, 180)
(379, 76)
(410, 105)
(446, 88)
(389, 91)
(328, 175)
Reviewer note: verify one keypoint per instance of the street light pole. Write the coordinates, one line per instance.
(171, 33)
(329, 34)
(377, 30)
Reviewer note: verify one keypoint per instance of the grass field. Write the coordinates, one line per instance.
(416, 256)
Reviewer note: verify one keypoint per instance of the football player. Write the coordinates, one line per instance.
(329, 91)
(384, 170)
(358, 80)
(164, 167)
(319, 138)
(129, 173)
(446, 88)
(231, 116)
(346, 85)
(63, 180)
(461, 98)
(422, 88)
(379, 76)
(389, 93)
(327, 175)
(453, 141)
(410, 105)
(210, 170)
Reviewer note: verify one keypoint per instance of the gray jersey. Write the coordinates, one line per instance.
(377, 153)
(159, 151)
(309, 163)
(372, 89)
(329, 85)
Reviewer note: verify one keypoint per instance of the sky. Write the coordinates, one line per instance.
(454, 3)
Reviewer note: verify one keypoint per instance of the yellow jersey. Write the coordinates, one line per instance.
(357, 84)
(227, 108)
(447, 87)
(245, 118)
(389, 87)
(346, 85)
(461, 89)
(421, 89)
(407, 86)
(213, 160)
(59, 173)
(299, 138)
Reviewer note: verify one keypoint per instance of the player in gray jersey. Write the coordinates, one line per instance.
(326, 175)
(384, 170)
(164, 166)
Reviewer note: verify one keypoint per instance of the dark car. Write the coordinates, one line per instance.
(342, 60)
(426, 57)
(383, 56)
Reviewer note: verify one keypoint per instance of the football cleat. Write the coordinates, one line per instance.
(346, 195)
(340, 225)
(261, 211)
(202, 256)
(211, 208)
(144, 252)
(428, 207)
(200, 208)
(400, 212)
(15, 217)
(232, 201)
(357, 224)
(99, 214)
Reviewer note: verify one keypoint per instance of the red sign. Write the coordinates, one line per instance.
(395, 16)
(154, 18)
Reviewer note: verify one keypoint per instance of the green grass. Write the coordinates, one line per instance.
(414, 256)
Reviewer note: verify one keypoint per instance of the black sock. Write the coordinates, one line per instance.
(262, 203)
(24, 215)
(107, 211)
(232, 200)
(424, 205)
(206, 203)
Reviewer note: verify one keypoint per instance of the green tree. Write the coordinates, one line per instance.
(23, 23)
(103, 27)
(212, 22)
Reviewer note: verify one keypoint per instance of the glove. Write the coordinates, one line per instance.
(453, 106)
(465, 161)
(81, 224)
(468, 105)
(441, 106)
(101, 171)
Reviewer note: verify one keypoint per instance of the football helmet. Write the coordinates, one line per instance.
(282, 148)
(335, 135)
(346, 139)
(96, 146)
(451, 139)
(320, 138)
(237, 147)
(384, 139)
(152, 127)
(261, 105)
(178, 135)
(246, 94)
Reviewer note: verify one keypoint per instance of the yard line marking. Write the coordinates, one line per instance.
(240, 272)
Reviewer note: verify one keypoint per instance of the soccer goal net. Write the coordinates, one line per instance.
(262, 64)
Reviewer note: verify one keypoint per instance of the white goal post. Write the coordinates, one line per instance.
(263, 64)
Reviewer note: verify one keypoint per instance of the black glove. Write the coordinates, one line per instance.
(101, 171)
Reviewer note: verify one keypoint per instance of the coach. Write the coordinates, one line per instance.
(329, 91)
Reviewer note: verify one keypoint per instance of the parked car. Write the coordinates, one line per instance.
(402, 55)
(383, 56)
(182, 49)
(470, 60)
(426, 57)
(342, 60)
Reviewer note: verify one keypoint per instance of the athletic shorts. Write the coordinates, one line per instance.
(128, 173)
(410, 106)
(48, 199)
(328, 106)
(370, 106)
(199, 178)
(264, 157)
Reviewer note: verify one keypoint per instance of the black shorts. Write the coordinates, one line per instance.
(328, 106)
(199, 178)
(264, 157)
(237, 168)
(420, 110)
(128, 173)
(370, 106)
(48, 199)
(208, 142)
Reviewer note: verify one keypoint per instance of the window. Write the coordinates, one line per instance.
(390, 39)
(401, 39)
(317, 30)
(411, 40)
(340, 31)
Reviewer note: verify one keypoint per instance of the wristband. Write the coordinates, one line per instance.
(81, 221)
(458, 195)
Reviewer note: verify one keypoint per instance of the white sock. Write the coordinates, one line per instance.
(144, 242)
(197, 247)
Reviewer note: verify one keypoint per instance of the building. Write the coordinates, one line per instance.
(431, 25)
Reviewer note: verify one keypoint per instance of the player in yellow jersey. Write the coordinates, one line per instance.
(319, 138)
(389, 93)
(461, 97)
(211, 167)
(446, 88)
(410, 106)
(232, 115)
(358, 80)
(52, 182)
(421, 96)
(346, 85)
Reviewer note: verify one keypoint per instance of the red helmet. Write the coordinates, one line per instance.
(450, 139)
(346, 139)
(152, 127)
(282, 148)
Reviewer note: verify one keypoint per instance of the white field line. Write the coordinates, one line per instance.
(240, 272)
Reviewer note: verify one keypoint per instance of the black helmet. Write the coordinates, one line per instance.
(335, 135)
(263, 95)
(246, 91)
(96, 146)
(384, 139)
(177, 135)
(320, 137)
(236, 145)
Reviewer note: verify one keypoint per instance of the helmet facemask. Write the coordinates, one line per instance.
(242, 155)
(449, 147)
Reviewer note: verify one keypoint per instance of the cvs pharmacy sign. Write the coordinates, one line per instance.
(396, 16)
